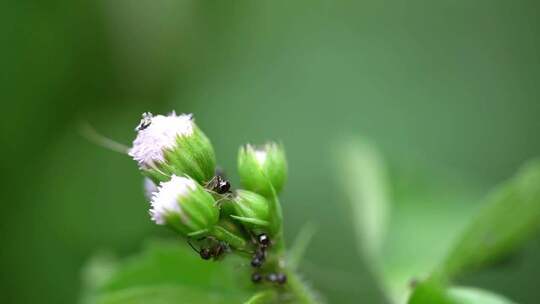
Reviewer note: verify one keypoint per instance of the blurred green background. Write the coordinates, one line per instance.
(445, 88)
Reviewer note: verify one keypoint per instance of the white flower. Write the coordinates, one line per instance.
(157, 133)
(168, 197)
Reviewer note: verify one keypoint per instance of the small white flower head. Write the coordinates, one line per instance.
(168, 198)
(184, 205)
(157, 133)
(172, 144)
(262, 168)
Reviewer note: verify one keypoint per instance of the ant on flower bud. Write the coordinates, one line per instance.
(215, 251)
(145, 121)
(263, 242)
(219, 185)
(258, 258)
(256, 277)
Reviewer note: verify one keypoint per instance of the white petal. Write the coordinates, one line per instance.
(260, 156)
(161, 134)
(169, 196)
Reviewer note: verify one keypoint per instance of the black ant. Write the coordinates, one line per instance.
(215, 251)
(279, 278)
(145, 121)
(263, 242)
(258, 258)
(256, 277)
(219, 185)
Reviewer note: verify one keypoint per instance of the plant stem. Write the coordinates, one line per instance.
(302, 293)
(295, 285)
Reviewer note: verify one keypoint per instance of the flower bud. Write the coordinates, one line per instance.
(182, 204)
(262, 168)
(173, 144)
(251, 208)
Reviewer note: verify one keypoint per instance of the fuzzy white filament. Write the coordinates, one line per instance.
(260, 156)
(160, 134)
(168, 197)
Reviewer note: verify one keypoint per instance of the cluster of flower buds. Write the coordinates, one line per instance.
(187, 195)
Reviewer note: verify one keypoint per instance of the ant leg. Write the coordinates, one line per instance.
(227, 198)
(193, 247)
(204, 253)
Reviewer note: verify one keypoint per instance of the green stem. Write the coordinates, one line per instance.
(302, 293)
(298, 288)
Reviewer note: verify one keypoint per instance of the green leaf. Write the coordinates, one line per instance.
(390, 209)
(510, 217)
(468, 295)
(299, 246)
(166, 295)
(363, 173)
(167, 272)
(95, 274)
(262, 297)
(431, 293)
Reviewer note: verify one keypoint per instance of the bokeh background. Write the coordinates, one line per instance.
(444, 88)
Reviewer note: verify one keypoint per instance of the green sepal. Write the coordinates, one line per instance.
(192, 155)
(229, 237)
(256, 176)
(198, 213)
(251, 220)
(198, 234)
(252, 209)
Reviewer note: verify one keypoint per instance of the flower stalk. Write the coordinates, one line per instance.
(190, 197)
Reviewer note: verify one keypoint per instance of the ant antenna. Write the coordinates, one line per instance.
(95, 137)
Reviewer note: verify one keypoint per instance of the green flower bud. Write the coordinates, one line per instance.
(262, 168)
(173, 145)
(251, 209)
(182, 204)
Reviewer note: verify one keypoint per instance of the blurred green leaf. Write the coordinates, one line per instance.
(510, 216)
(97, 271)
(166, 295)
(363, 173)
(262, 297)
(300, 245)
(167, 272)
(431, 293)
(468, 295)
(406, 244)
